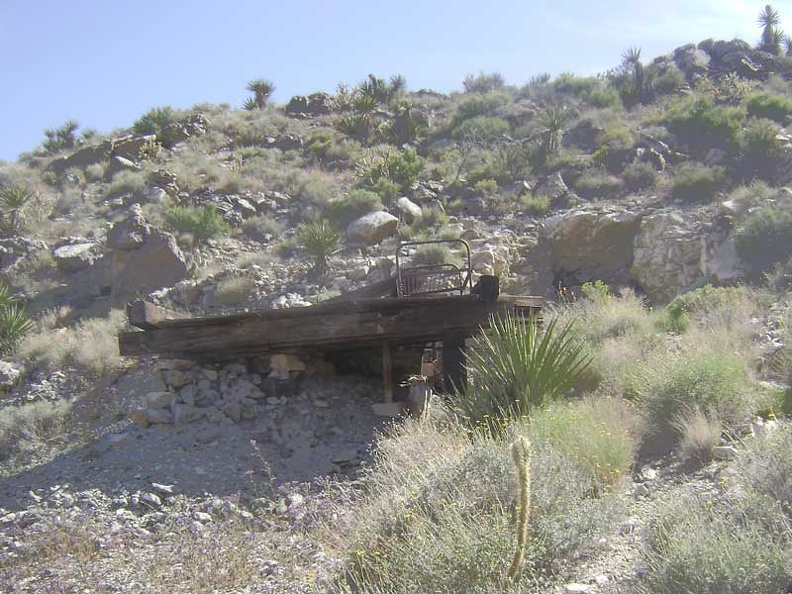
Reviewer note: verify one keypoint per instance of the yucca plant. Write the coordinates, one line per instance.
(517, 366)
(261, 89)
(13, 203)
(320, 240)
(14, 321)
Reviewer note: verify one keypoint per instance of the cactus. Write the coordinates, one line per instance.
(521, 453)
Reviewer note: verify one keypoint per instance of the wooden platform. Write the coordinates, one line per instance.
(338, 324)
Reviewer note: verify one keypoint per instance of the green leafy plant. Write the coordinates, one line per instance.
(345, 209)
(14, 321)
(765, 238)
(320, 240)
(62, 138)
(700, 124)
(483, 83)
(639, 176)
(202, 222)
(517, 366)
(14, 202)
(155, 120)
(769, 105)
(694, 182)
(594, 184)
(262, 89)
(772, 36)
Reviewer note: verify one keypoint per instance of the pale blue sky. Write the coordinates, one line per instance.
(106, 62)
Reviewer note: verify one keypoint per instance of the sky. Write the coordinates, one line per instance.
(105, 63)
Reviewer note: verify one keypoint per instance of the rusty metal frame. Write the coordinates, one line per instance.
(428, 279)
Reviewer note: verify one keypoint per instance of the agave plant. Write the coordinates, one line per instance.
(13, 204)
(553, 119)
(516, 367)
(320, 240)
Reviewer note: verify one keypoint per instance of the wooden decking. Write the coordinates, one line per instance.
(345, 323)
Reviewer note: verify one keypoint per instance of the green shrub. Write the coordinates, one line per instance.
(345, 209)
(760, 147)
(478, 106)
(597, 434)
(766, 466)
(320, 240)
(202, 222)
(701, 125)
(155, 120)
(592, 90)
(62, 138)
(769, 105)
(715, 382)
(481, 129)
(436, 516)
(262, 228)
(125, 182)
(667, 80)
(702, 544)
(14, 321)
(517, 367)
(14, 203)
(434, 254)
(483, 83)
(235, 290)
(536, 206)
(639, 176)
(765, 238)
(694, 182)
(402, 168)
(594, 184)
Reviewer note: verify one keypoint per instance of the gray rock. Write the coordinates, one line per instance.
(372, 228)
(117, 164)
(151, 499)
(129, 147)
(724, 452)
(75, 257)
(89, 155)
(408, 209)
(9, 376)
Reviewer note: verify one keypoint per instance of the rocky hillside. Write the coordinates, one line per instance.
(649, 203)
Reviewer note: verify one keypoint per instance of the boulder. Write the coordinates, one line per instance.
(673, 253)
(144, 258)
(592, 243)
(75, 257)
(372, 228)
(9, 376)
(408, 209)
(129, 147)
(553, 187)
(117, 164)
(177, 132)
(315, 104)
(89, 155)
(692, 61)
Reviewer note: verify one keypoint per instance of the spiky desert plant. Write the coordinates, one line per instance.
(61, 138)
(521, 454)
(516, 366)
(261, 88)
(553, 119)
(13, 203)
(772, 37)
(320, 240)
(14, 321)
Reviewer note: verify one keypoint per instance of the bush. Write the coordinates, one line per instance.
(517, 367)
(760, 148)
(593, 184)
(766, 466)
(765, 238)
(701, 125)
(699, 434)
(61, 138)
(694, 182)
(202, 222)
(639, 176)
(536, 206)
(701, 544)
(769, 105)
(402, 168)
(235, 290)
(28, 428)
(597, 434)
(592, 90)
(483, 83)
(262, 228)
(436, 515)
(155, 120)
(715, 382)
(479, 105)
(481, 129)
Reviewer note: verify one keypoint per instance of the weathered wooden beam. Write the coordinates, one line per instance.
(387, 371)
(146, 315)
(341, 324)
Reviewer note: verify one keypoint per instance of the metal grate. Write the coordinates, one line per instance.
(432, 278)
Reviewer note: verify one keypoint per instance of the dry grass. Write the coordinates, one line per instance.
(233, 291)
(91, 345)
(29, 428)
(699, 434)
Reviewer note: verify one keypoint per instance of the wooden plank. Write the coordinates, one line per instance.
(387, 371)
(146, 315)
(344, 324)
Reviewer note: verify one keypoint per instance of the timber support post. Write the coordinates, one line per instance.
(387, 371)
(454, 373)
